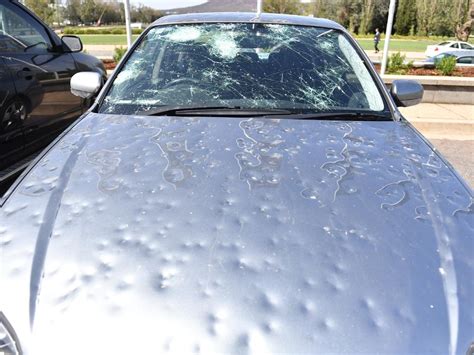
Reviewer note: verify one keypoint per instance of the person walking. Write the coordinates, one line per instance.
(376, 40)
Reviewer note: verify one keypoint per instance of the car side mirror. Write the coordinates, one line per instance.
(86, 84)
(406, 92)
(72, 43)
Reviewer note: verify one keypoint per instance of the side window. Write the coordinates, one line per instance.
(454, 45)
(19, 32)
(465, 46)
(466, 60)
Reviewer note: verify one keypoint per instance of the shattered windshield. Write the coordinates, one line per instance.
(245, 66)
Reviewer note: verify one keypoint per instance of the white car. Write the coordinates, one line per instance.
(433, 50)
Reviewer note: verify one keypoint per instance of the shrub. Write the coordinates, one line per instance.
(100, 31)
(446, 65)
(397, 64)
(119, 52)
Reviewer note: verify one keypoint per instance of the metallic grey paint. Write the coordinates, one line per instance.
(223, 235)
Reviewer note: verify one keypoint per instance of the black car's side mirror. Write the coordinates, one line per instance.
(72, 43)
(406, 92)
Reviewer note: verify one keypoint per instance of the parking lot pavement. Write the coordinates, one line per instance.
(451, 130)
(102, 51)
(460, 154)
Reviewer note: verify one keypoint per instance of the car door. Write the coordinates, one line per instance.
(11, 123)
(41, 75)
(466, 60)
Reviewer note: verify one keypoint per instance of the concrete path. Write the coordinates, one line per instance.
(442, 121)
(451, 130)
(102, 51)
(377, 57)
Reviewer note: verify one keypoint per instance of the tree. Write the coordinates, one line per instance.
(283, 6)
(72, 11)
(89, 11)
(44, 9)
(144, 14)
(443, 21)
(464, 31)
(368, 7)
(405, 19)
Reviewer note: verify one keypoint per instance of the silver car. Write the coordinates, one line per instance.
(243, 184)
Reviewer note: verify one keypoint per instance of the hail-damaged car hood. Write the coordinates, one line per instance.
(140, 235)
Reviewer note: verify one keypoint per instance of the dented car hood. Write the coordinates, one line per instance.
(139, 235)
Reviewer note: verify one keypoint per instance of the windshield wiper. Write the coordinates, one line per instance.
(275, 113)
(342, 116)
(213, 111)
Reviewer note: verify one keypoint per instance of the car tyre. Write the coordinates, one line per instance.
(13, 113)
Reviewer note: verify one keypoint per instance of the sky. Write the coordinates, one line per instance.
(168, 4)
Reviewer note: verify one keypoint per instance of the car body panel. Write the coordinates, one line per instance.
(231, 235)
(11, 129)
(449, 46)
(47, 88)
(41, 79)
(246, 17)
(431, 61)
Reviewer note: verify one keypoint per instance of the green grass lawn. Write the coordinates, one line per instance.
(401, 45)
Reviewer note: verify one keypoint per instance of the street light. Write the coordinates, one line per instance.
(128, 25)
(388, 32)
(259, 7)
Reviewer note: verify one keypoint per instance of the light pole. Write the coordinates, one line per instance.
(388, 33)
(128, 25)
(259, 7)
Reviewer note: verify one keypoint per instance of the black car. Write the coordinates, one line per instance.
(35, 99)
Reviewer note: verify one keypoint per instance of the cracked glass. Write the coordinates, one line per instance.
(245, 66)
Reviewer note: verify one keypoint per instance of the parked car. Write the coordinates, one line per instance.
(461, 58)
(35, 71)
(242, 184)
(457, 46)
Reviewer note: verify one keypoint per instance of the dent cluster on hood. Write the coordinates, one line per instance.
(208, 235)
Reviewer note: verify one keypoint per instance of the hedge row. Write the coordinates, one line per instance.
(99, 31)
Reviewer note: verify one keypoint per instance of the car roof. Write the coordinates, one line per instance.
(216, 17)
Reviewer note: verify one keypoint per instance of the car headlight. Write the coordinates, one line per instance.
(9, 344)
